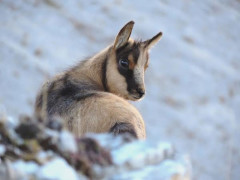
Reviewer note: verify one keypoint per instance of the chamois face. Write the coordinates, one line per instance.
(131, 62)
(128, 63)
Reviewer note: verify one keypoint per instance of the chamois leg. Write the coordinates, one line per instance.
(122, 128)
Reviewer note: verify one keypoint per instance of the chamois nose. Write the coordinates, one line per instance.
(140, 91)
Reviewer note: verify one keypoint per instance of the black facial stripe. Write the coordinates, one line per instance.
(129, 77)
(133, 49)
(104, 76)
(123, 53)
(60, 100)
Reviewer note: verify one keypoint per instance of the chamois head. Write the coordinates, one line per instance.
(127, 63)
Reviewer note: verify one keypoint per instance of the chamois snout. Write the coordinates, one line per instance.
(137, 92)
(141, 92)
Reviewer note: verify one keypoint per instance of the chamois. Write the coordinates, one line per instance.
(92, 96)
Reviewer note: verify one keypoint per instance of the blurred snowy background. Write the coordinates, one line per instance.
(193, 82)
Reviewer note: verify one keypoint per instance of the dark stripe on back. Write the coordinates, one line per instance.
(65, 93)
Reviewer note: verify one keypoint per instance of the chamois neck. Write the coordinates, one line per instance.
(92, 70)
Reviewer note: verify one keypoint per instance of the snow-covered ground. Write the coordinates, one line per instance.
(193, 82)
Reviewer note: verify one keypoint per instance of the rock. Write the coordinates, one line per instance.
(54, 153)
(28, 130)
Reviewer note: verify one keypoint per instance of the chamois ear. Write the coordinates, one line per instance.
(151, 42)
(123, 35)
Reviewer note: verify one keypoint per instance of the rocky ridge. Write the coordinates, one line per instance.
(33, 150)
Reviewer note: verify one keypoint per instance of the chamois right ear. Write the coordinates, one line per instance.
(123, 35)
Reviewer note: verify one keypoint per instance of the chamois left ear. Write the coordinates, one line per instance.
(151, 42)
(123, 35)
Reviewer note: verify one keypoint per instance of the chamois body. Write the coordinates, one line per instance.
(92, 96)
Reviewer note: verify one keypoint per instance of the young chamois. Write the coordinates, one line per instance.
(92, 96)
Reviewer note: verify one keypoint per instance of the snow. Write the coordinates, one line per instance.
(57, 169)
(2, 149)
(21, 168)
(141, 160)
(45, 155)
(168, 169)
(110, 142)
(67, 142)
(139, 153)
(193, 81)
(12, 123)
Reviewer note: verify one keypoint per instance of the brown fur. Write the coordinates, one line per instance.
(90, 97)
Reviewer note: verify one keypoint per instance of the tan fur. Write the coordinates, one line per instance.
(91, 69)
(98, 109)
(108, 110)
(113, 76)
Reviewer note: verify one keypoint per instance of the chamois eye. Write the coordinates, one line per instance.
(124, 63)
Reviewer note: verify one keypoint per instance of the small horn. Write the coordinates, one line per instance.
(123, 35)
(151, 42)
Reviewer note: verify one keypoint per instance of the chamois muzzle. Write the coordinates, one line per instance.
(141, 92)
(137, 93)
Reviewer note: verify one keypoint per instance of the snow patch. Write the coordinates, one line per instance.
(57, 169)
(67, 142)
